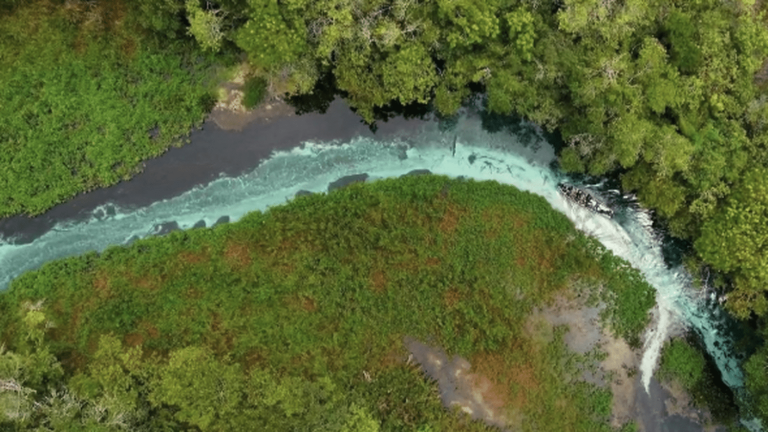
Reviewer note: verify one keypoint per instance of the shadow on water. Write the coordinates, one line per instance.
(319, 100)
(325, 92)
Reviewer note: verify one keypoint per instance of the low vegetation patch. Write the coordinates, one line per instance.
(254, 91)
(295, 319)
(684, 363)
(85, 96)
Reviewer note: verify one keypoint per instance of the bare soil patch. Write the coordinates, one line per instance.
(148, 282)
(237, 255)
(189, 257)
(450, 220)
(378, 281)
(451, 298)
(301, 302)
(101, 284)
(229, 112)
(586, 333)
(134, 339)
(473, 393)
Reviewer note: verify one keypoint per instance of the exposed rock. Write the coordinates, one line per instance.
(584, 199)
(229, 112)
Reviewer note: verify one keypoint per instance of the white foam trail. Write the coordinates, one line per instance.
(313, 166)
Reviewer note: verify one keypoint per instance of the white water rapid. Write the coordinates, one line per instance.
(477, 154)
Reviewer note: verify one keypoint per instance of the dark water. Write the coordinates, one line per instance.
(210, 153)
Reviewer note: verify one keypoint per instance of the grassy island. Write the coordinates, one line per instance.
(298, 318)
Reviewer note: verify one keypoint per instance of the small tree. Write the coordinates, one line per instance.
(205, 25)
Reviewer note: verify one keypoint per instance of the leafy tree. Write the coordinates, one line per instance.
(360, 420)
(522, 32)
(409, 74)
(205, 391)
(756, 371)
(682, 362)
(466, 22)
(735, 240)
(268, 38)
(160, 16)
(115, 382)
(205, 25)
(681, 31)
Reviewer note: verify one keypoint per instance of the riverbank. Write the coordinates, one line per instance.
(210, 153)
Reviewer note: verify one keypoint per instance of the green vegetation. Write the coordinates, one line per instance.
(685, 363)
(85, 96)
(254, 91)
(294, 319)
(734, 241)
(663, 89)
(671, 93)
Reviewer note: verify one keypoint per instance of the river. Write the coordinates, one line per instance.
(220, 176)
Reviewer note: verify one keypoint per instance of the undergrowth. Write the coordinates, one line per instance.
(85, 97)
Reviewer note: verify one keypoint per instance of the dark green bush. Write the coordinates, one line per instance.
(255, 91)
(682, 362)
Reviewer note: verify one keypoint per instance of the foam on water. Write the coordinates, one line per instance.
(477, 154)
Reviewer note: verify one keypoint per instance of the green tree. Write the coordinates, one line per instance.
(681, 31)
(268, 38)
(736, 240)
(682, 362)
(206, 392)
(465, 22)
(409, 74)
(360, 420)
(205, 25)
(756, 371)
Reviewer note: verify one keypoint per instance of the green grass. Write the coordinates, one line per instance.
(83, 104)
(328, 286)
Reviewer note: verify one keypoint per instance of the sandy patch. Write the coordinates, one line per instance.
(680, 403)
(473, 390)
(236, 119)
(473, 393)
(621, 366)
(229, 112)
(585, 334)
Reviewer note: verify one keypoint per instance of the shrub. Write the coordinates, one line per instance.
(255, 91)
(680, 361)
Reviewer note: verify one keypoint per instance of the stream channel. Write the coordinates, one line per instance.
(222, 175)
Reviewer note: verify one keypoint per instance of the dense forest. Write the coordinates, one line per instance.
(668, 94)
(294, 319)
